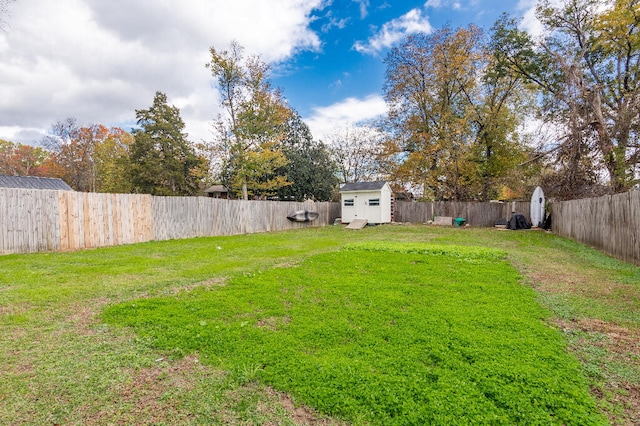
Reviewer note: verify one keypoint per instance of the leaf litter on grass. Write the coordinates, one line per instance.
(385, 334)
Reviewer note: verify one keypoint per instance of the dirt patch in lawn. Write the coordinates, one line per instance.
(84, 316)
(208, 284)
(622, 346)
(559, 279)
(621, 340)
(273, 323)
(299, 414)
(618, 339)
(149, 395)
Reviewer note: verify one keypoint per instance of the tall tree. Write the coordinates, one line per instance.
(310, 168)
(90, 158)
(163, 162)
(587, 68)
(450, 115)
(250, 135)
(72, 147)
(356, 151)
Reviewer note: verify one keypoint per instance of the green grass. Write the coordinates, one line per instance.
(385, 334)
(60, 363)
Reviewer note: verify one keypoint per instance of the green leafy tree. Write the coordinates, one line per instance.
(587, 71)
(163, 162)
(113, 163)
(309, 168)
(249, 136)
(452, 116)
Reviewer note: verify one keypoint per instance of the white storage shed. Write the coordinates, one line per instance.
(366, 200)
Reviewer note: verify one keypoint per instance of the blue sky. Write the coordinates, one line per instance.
(350, 63)
(99, 61)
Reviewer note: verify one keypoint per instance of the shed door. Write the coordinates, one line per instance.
(360, 207)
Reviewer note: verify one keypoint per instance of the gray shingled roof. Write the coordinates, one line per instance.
(32, 182)
(362, 186)
(216, 188)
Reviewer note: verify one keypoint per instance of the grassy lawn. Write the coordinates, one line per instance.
(392, 324)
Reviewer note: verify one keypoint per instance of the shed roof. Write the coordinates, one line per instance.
(362, 186)
(33, 182)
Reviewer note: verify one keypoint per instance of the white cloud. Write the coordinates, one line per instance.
(392, 32)
(335, 23)
(439, 4)
(364, 5)
(98, 61)
(436, 4)
(326, 120)
(529, 22)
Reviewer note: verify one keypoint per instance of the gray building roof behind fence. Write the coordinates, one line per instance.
(32, 182)
(362, 186)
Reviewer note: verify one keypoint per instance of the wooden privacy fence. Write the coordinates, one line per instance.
(610, 223)
(34, 220)
(186, 217)
(38, 220)
(475, 213)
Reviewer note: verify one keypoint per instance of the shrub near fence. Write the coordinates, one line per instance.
(475, 213)
(610, 223)
(39, 220)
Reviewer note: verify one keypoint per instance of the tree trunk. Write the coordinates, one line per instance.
(245, 193)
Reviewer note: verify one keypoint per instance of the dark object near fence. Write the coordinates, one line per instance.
(546, 225)
(518, 221)
(501, 223)
(303, 216)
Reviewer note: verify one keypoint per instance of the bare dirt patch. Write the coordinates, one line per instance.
(562, 280)
(632, 403)
(620, 340)
(83, 316)
(300, 415)
(151, 397)
(14, 309)
(288, 264)
(208, 284)
(273, 323)
(622, 346)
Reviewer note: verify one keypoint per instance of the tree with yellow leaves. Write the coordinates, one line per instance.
(452, 116)
(249, 136)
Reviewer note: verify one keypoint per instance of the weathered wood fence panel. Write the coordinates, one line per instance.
(475, 213)
(610, 223)
(187, 217)
(89, 220)
(28, 221)
(40, 220)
